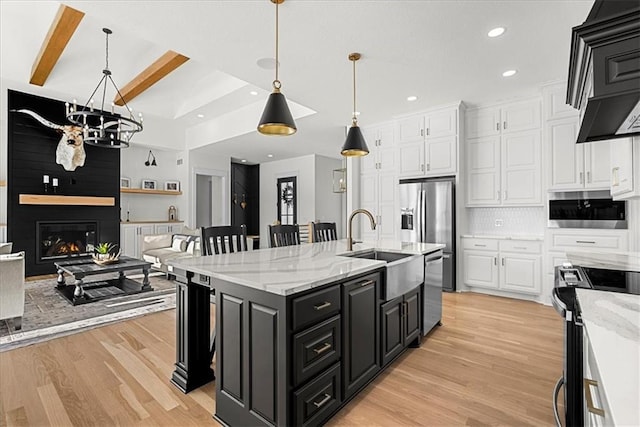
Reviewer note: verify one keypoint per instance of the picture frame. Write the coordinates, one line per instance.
(149, 184)
(125, 182)
(172, 186)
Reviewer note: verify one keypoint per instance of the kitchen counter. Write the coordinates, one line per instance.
(291, 269)
(612, 324)
(504, 237)
(629, 261)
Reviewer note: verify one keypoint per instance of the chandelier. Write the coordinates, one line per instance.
(102, 128)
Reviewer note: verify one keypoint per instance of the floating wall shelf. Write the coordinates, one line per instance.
(143, 191)
(43, 199)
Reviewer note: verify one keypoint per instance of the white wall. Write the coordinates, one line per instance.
(330, 206)
(205, 161)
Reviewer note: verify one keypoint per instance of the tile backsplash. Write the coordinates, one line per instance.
(507, 221)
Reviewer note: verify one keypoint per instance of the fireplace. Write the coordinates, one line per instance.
(64, 239)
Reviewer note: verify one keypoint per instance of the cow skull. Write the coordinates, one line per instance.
(70, 152)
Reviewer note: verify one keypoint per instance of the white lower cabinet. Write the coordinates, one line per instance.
(131, 235)
(596, 408)
(503, 264)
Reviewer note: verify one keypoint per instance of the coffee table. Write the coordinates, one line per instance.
(82, 293)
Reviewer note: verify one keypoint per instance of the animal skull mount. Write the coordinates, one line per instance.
(70, 153)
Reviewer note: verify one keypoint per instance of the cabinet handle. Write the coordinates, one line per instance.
(322, 306)
(586, 241)
(504, 126)
(480, 246)
(422, 168)
(589, 176)
(421, 132)
(502, 262)
(498, 126)
(615, 179)
(581, 178)
(428, 166)
(495, 261)
(520, 247)
(427, 131)
(366, 283)
(325, 399)
(587, 391)
(326, 346)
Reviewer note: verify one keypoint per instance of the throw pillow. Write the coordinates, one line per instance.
(5, 248)
(179, 243)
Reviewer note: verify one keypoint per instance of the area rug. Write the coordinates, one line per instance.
(47, 314)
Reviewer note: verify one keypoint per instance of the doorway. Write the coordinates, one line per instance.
(210, 198)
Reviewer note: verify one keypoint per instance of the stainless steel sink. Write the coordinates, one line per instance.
(404, 271)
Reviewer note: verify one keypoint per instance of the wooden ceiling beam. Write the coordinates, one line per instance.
(62, 28)
(150, 76)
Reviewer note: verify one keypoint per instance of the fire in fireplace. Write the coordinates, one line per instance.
(62, 239)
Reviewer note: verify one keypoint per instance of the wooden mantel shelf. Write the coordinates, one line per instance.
(46, 199)
(143, 191)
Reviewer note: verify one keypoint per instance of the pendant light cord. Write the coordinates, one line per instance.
(355, 119)
(276, 82)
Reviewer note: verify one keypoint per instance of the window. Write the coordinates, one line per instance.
(287, 204)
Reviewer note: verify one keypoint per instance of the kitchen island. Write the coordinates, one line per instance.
(300, 329)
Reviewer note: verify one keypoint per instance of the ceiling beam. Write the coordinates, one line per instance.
(62, 28)
(150, 76)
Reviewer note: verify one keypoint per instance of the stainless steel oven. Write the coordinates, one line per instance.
(586, 209)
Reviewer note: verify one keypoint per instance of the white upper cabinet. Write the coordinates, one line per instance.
(504, 165)
(625, 168)
(555, 102)
(428, 143)
(382, 152)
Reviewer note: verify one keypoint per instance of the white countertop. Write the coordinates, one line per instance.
(291, 269)
(628, 261)
(503, 237)
(612, 322)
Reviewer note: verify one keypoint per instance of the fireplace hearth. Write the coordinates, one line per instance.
(64, 239)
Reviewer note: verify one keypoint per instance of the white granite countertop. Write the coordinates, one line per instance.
(291, 269)
(612, 322)
(504, 237)
(628, 261)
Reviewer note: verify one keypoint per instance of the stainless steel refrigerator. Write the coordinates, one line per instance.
(428, 215)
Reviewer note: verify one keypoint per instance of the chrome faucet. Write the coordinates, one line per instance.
(350, 226)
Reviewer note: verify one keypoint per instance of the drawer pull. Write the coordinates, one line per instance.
(587, 389)
(480, 246)
(586, 241)
(520, 247)
(367, 283)
(325, 399)
(326, 346)
(321, 306)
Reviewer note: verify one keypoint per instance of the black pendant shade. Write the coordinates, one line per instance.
(355, 145)
(276, 118)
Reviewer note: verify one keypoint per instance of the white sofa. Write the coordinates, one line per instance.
(12, 288)
(160, 248)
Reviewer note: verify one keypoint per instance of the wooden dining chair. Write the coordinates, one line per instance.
(324, 231)
(284, 235)
(222, 239)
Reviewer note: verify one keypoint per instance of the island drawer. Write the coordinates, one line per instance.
(315, 349)
(480, 244)
(525, 246)
(316, 306)
(314, 402)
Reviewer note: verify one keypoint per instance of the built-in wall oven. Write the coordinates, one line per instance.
(586, 209)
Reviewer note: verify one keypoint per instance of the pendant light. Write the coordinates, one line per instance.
(354, 145)
(276, 118)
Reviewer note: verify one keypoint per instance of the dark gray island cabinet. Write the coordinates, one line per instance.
(286, 353)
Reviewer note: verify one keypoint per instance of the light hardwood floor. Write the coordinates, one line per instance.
(493, 362)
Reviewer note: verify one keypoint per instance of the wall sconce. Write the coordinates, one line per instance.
(340, 180)
(151, 160)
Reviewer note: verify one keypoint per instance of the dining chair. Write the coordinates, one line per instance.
(222, 239)
(284, 235)
(324, 231)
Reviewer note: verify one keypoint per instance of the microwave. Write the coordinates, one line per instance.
(586, 209)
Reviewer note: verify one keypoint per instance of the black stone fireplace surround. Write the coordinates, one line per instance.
(32, 154)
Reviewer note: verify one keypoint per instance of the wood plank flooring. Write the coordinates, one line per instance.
(493, 362)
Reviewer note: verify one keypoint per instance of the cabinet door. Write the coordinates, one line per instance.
(391, 329)
(567, 166)
(361, 349)
(410, 129)
(481, 269)
(597, 164)
(175, 228)
(520, 273)
(483, 176)
(521, 168)
(482, 122)
(411, 159)
(441, 123)
(387, 157)
(521, 116)
(388, 185)
(368, 163)
(411, 316)
(129, 240)
(386, 136)
(368, 201)
(621, 166)
(440, 154)
(162, 229)
(555, 103)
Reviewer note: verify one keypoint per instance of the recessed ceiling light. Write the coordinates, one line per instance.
(509, 73)
(244, 160)
(412, 98)
(496, 32)
(200, 116)
(253, 92)
(269, 155)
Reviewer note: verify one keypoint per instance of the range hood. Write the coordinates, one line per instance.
(604, 71)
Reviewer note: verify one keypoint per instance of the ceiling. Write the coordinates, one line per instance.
(435, 50)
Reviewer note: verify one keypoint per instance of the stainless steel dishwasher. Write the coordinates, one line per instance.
(432, 300)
